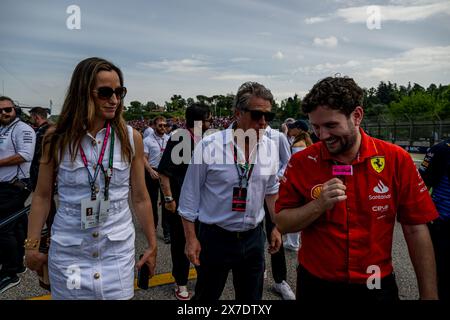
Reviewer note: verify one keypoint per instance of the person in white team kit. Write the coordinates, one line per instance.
(17, 143)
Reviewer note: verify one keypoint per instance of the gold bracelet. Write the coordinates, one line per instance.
(31, 244)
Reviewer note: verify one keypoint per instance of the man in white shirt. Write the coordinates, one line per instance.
(225, 186)
(154, 146)
(17, 142)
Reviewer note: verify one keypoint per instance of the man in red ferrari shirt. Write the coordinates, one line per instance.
(345, 193)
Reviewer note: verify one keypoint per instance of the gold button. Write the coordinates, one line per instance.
(99, 142)
(95, 234)
(95, 255)
(97, 276)
(94, 166)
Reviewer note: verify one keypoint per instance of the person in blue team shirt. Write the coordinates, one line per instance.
(435, 171)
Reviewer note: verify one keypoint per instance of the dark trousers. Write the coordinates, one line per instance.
(180, 263)
(440, 235)
(154, 190)
(277, 260)
(312, 288)
(222, 251)
(12, 235)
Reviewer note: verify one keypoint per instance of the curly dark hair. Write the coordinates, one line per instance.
(339, 93)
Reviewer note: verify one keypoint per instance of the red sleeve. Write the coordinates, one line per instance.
(289, 195)
(415, 204)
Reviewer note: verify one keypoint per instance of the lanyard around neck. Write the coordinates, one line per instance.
(108, 172)
(161, 145)
(91, 178)
(244, 171)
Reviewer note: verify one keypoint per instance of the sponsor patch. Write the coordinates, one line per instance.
(381, 188)
(380, 196)
(377, 163)
(316, 190)
(425, 164)
(380, 209)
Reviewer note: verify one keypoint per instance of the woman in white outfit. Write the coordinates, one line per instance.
(95, 158)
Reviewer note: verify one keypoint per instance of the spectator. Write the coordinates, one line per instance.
(227, 197)
(435, 171)
(17, 143)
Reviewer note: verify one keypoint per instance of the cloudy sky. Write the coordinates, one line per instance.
(210, 47)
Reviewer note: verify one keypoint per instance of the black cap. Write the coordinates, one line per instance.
(300, 124)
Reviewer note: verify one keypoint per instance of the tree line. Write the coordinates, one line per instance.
(388, 100)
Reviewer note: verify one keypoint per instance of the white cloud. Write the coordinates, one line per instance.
(278, 55)
(414, 2)
(313, 20)
(394, 13)
(328, 68)
(380, 73)
(330, 42)
(418, 60)
(178, 66)
(240, 59)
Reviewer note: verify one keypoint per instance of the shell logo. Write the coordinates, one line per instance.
(316, 190)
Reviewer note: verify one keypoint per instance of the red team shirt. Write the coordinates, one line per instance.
(357, 233)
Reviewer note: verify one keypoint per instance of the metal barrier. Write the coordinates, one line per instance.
(408, 134)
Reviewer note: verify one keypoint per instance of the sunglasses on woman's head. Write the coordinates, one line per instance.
(107, 92)
(256, 115)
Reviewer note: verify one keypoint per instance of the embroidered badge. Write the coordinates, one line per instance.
(316, 190)
(377, 163)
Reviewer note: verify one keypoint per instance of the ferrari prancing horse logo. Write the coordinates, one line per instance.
(377, 163)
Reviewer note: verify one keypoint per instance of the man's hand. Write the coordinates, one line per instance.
(171, 206)
(154, 174)
(275, 241)
(192, 251)
(333, 191)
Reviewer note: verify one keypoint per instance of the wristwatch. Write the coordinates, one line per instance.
(168, 199)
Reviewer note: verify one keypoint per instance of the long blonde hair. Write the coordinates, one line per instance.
(79, 110)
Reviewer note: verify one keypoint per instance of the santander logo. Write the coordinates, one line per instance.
(381, 187)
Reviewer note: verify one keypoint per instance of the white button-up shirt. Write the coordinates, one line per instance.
(283, 146)
(148, 132)
(73, 180)
(207, 190)
(16, 138)
(154, 147)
